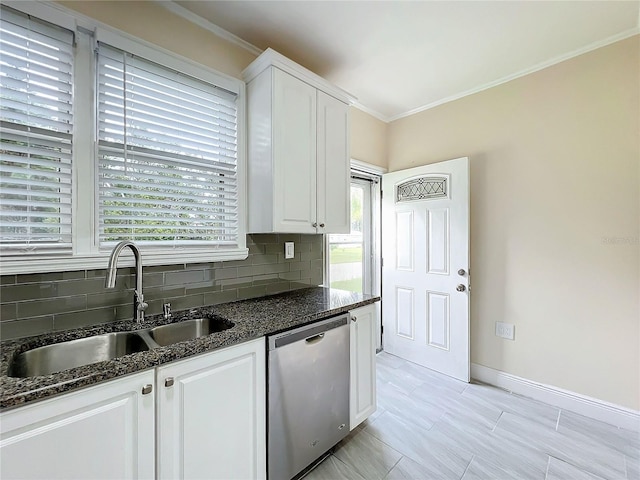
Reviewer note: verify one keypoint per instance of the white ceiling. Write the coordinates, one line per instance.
(399, 57)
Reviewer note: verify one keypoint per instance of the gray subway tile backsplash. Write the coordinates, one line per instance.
(290, 275)
(36, 308)
(26, 327)
(48, 277)
(9, 311)
(39, 303)
(186, 301)
(83, 318)
(223, 296)
(253, 291)
(183, 277)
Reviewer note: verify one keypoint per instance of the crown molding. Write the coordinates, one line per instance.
(371, 111)
(207, 25)
(540, 66)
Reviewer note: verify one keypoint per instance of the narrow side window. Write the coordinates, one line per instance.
(36, 126)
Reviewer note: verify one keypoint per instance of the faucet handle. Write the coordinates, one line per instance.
(166, 311)
(141, 304)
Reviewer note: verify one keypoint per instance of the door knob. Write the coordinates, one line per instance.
(354, 318)
(322, 225)
(461, 288)
(314, 224)
(461, 272)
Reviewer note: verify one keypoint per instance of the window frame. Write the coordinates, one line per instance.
(86, 251)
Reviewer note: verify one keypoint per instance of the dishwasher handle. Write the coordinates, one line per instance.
(314, 339)
(312, 333)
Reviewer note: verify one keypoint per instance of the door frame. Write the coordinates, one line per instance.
(368, 170)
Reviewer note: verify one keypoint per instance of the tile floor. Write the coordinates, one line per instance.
(429, 426)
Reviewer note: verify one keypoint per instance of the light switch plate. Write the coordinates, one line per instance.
(288, 250)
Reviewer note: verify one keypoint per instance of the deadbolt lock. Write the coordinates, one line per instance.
(461, 272)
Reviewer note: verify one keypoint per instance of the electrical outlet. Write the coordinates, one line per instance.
(288, 250)
(505, 330)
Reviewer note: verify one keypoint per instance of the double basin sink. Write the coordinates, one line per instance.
(99, 348)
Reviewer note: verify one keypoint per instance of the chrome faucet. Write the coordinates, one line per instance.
(139, 305)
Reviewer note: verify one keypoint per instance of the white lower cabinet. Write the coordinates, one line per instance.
(209, 423)
(105, 431)
(363, 363)
(211, 415)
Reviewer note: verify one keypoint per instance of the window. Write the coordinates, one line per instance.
(106, 138)
(167, 154)
(353, 259)
(36, 132)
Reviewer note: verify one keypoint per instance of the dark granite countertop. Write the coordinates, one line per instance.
(253, 318)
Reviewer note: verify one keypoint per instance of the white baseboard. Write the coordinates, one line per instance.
(588, 406)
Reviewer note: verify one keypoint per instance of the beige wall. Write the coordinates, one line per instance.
(555, 175)
(151, 22)
(368, 138)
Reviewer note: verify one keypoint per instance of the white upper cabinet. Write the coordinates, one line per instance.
(333, 167)
(294, 154)
(298, 149)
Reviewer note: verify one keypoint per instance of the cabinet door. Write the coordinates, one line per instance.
(334, 169)
(211, 420)
(363, 364)
(106, 431)
(294, 154)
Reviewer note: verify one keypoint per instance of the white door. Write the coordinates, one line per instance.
(425, 281)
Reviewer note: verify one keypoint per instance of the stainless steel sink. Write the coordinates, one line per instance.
(84, 351)
(75, 353)
(188, 330)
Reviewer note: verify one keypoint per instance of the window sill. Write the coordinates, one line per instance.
(49, 263)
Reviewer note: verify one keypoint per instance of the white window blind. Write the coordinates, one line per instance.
(167, 155)
(36, 123)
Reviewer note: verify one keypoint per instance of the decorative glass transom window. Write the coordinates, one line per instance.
(36, 126)
(421, 189)
(167, 155)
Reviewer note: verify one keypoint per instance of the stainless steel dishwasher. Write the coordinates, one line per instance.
(308, 371)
